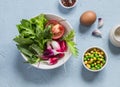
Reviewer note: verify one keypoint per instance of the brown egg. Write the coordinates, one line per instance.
(88, 18)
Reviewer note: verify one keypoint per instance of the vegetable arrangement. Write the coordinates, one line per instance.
(94, 59)
(41, 39)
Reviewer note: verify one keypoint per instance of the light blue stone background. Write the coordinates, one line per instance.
(14, 73)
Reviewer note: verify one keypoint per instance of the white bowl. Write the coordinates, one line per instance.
(105, 57)
(115, 36)
(63, 60)
(66, 6)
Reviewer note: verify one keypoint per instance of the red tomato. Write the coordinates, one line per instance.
(52, 22)
(58, 31)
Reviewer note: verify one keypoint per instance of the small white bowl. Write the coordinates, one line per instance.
(63, 60)
(60, 1)
(115, 36)
(105, 57)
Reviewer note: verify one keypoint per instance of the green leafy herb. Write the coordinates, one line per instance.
(33, 35)
(70, 42)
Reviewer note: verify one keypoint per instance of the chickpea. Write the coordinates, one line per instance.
(101, 59)
(91, 51)
(88, 53)
(91, 60)
(94, 49)
(98, 50)
(88, 66)
(85, 62)
(94, 63)
(102, 53)
(101, 64)
(98, 61)
(95, 58)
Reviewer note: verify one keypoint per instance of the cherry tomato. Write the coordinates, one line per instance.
(58, 31)
(52, 22)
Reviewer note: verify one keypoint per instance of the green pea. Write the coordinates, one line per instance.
(98, 65)
(85, 56)
(85, 59)
(98, 68)
(96, 55)
(100, 59)
(92, 65)
(89, 56)
(92, 56)
(103, 61)
(93, 68)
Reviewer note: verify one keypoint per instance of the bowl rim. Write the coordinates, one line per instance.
(68, 57)
(70, 6)
(112, 38)
(105, 57)
(114, 30)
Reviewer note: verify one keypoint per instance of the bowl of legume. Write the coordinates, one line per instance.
(68, 3)
(94, 59)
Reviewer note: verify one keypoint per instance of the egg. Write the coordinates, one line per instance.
(88, 18)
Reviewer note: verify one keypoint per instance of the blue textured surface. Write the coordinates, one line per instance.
(13, 73)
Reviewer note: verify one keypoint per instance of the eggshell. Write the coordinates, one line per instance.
(88, 18)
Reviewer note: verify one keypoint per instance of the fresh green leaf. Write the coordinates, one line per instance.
(33, 60)
(36, 48)
(69, 36)
(73, 48)
(40, 21)
(71, 44)
(23, 41)
(25, 51)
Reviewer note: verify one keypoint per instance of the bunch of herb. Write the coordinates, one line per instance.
(33, 35)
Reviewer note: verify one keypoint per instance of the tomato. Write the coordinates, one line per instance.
(58, 31)
(52, 22)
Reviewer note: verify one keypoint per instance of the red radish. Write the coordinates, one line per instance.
(55, 45)
(53, 60)
(63, 46)
(61, 55)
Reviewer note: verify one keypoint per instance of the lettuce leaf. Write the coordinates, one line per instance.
(33, 36)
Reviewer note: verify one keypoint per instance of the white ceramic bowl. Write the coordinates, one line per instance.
(103, 65)
(115, 36)
(63, 60)
(67, 6)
